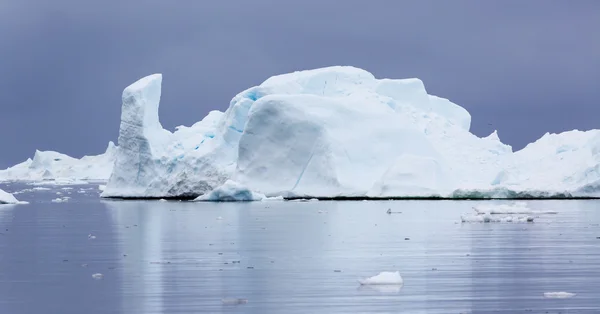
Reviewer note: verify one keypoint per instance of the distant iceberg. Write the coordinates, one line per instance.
(335, 132)
(52, 167)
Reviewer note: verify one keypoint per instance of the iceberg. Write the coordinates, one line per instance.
(49, 167)
(327, 133)
(7, 198)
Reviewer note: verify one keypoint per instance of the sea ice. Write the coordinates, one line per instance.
(383, 278)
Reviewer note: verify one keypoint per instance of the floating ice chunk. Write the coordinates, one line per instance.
(7, 198)
(162, 200)
(488, 218)
(38, 188)
(91, 236)
(101, 187)
(61, 199)
(559, 295)
(384, 278)
(509, 209)
(231, 191)
(97, 276)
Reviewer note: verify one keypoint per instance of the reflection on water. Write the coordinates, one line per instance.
(293, 257)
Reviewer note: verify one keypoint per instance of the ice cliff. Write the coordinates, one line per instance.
(338, 132)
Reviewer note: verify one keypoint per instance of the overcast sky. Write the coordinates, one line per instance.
(525, 67)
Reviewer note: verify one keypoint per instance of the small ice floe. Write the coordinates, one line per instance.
(102, 188)
(91, 236)
(97, 276)
(517, 208)
(234, 301)
(61, 199)
(41, 189)
(162, 200)
(384, 278)
(558, 295)
(219, 218)
(488, 218)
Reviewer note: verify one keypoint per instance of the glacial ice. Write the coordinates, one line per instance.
(333, 132)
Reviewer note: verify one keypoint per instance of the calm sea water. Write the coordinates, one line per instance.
(290, 257)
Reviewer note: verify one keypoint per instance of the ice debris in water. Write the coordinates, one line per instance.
(101, 187)
(558, 295)
(97, 276)
(61, 199)
(91, 236)
(487, 218)
(509, 209)
(501, 213)
(383, 278)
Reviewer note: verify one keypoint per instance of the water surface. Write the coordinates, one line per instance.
(290, 257)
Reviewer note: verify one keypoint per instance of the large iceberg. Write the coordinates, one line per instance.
(53, 166)
(339, 132)
(335, 132)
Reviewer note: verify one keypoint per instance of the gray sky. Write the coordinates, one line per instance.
(526, 67)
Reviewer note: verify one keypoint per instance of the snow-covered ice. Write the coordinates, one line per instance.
(383, 278)
(324, 133)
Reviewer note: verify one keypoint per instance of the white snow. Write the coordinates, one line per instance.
(52, 168)
(559, 295)
(7, 198)
(323, 133)
(383, 278)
